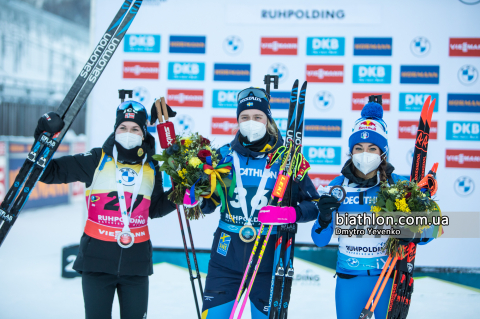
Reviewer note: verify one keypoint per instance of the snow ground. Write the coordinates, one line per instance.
(32, 286)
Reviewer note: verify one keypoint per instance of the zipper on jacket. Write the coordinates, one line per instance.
(120, 262)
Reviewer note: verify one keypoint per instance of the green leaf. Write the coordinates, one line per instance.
(390, 206)
(380, 202)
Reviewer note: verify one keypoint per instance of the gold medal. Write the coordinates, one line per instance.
(247, 233)
(140, 152)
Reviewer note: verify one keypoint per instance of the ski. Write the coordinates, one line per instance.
(291, 229)
(37, 146)
(278, 263)
(402, 287)
(283, 271)
(46, 145)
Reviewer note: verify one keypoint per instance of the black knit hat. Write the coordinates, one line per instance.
(134, 112)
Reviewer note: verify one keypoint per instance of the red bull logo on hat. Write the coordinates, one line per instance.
(367, 125)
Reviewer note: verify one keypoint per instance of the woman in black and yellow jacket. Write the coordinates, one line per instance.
(124, 189)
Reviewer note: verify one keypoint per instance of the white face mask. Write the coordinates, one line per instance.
(253, 130)
(366, 162)
(128, 140)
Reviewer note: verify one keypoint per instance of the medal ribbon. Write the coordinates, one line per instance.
(121, 194)
(258, 195)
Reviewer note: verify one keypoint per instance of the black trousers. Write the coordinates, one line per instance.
(99, 291)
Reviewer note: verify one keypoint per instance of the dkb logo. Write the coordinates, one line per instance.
(372, 74)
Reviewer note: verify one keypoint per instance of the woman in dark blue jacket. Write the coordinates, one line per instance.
(258, 136)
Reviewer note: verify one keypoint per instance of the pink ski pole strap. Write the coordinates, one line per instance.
(274, 215)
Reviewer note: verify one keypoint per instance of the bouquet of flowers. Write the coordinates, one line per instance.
(194, 167)
(405, 199)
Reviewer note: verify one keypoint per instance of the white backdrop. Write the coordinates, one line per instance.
(246, 23)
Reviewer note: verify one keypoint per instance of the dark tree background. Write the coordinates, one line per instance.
(77, 11)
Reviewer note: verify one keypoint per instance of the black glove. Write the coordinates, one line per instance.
(49, 122)
(154, 114)
(326, 205)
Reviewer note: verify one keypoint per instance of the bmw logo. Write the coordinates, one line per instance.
(353, 262)
(233, 45)
(280, 70)
(410, 156)
(420, 46)
(464, 186)
(469, 2)
(141, 95)
(467, 74)
(183, 123)
(323, 100)
(128, 176)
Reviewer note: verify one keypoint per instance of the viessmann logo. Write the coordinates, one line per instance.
(325, 73)
(463, 103)
(360, 99)
(464, 47)
(278, 46)
(408, 129)
(231, 72)
(462, 158)
(193, 98)
(141, 70)
(187, 44)
(224, 125)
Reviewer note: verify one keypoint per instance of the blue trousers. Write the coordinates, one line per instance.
(228, 261)
(351, 296)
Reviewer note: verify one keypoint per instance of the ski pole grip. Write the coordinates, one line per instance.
(159, 111)
(164, 108)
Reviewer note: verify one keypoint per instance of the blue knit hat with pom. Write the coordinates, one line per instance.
(370, 128)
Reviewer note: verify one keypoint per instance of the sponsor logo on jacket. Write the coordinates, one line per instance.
(319, 179)
(325, 73)
(225, 98)
(408, 129)
(224, 125)
(413, 102)
(462, 130)
(462, 158)
(187, 44)
(231, 72)
(193, 98)
(323, 155)
(372, 74)
(325, 46)
(278, 46)
(147, 43)
(141, 70)
(323, 128)
(463, 103)
(186, 71)
(372, 46)
(419, 74)
(464, 47)
(360, 99)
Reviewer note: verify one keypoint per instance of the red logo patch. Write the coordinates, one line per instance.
(464, 47)
(325, 73)
(408, 129)
(224, 125)
(462, 158)
(141, 70)
(367, 125)
(191, 98)
(279, 46)
(360, 99)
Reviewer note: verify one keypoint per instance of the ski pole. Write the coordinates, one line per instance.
(244, 279)
(366, 313)
(194, 255)
(188, 258)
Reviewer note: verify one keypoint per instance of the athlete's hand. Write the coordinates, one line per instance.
(154, 114)
(326, 205)
(49, 122)
(274, 215)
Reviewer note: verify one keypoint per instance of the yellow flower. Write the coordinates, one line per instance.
(375, 209)
(182, 173)
(402, 205)
(195, 161)
(187, 142)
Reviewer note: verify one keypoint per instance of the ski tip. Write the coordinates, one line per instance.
(434, 167)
